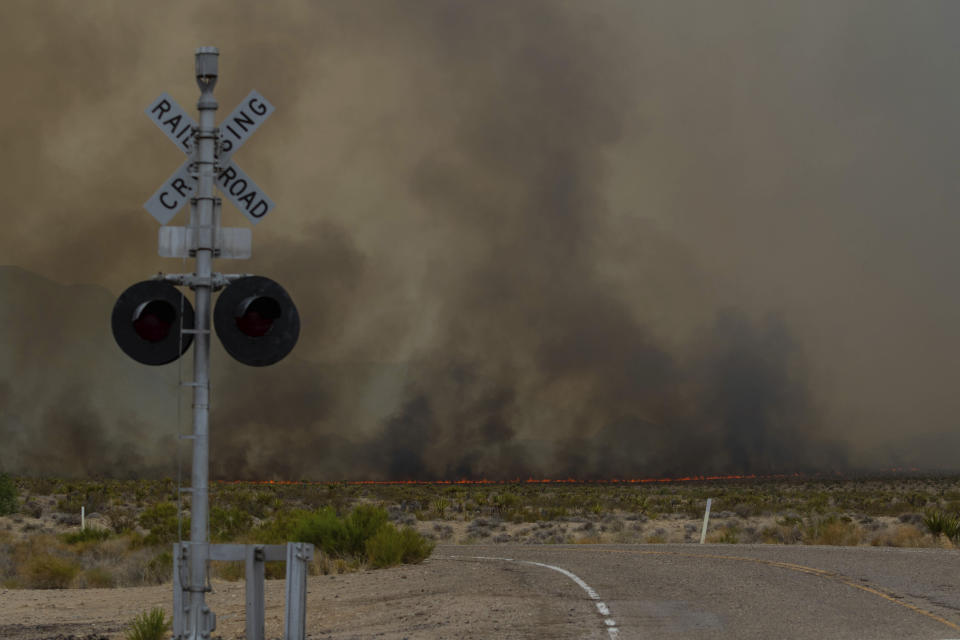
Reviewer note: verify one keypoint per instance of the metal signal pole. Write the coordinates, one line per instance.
(256, 320)
(200, 620)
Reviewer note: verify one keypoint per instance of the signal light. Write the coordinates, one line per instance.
(147, 322)
(256, 320)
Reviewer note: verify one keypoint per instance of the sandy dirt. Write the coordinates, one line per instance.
(427, 601)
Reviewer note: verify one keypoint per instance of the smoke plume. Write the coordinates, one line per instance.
(539, 238)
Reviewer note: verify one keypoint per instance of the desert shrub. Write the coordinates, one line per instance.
(93, 497)
(904, 535)
(31, 508)
(8, 495)
(121, 519)
(440, 506)
(149, 625)
(158, 569)
(324, 530)
(725, 535)
(391, 546)
(250, 501)
(47, 571)
(325, 565)
(161, 521)
(89, 534)
(362, 524)
(98, 578)
(227, 524)
(781, 534)
(832, 531)
(335, 536)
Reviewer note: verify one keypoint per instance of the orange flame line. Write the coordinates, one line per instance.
(560, 481)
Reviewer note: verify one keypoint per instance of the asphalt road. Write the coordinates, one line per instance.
(725, 591)
(568, 592)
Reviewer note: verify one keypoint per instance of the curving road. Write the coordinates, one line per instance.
(569, 592)
(724, 591)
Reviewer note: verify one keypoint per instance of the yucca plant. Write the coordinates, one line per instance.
(941, 523)
(440, 506)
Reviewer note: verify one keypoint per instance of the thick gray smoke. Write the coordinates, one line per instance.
(538, 238)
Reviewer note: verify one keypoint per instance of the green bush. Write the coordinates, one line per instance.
(149, 625)
(362, 524)
(227, 524)
(86, 535)
(324, 530)
(161, 521)
(364, 532)
(390, 546)
(8, 495)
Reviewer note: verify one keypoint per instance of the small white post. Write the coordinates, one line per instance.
(706, 519)
(83, 518)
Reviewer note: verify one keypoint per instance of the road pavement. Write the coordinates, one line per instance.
(731, 591)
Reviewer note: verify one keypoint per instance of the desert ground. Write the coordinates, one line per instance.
(105, 580)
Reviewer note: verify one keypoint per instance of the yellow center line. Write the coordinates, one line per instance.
(821, 573)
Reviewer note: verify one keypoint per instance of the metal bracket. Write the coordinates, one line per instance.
(296, 555)
(217, 280)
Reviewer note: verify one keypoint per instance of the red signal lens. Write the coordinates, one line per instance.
(256, 315)
(153, 320)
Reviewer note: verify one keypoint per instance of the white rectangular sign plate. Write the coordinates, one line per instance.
(180, 242)
(245, 195)
(173, 121)
(173, 194)
(241, 123)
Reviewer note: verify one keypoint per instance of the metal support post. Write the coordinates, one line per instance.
(254, 592)
(295, 618)
(201, 622)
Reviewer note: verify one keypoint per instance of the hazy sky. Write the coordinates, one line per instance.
(524, 237)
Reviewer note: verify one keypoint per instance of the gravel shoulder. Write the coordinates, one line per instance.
(431, 600)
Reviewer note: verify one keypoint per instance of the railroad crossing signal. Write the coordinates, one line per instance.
(260, 342)
(256, 320)
(148, 320)
(231, 181)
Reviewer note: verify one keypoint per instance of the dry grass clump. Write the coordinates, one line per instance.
(47, 570)
(96, 578)
(833, 531)
(904, 535)
(727, 533)
(149, 625)
(45, 561)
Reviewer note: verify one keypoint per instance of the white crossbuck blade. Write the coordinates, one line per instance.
(231, 181)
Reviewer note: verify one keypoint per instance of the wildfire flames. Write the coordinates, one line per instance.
(549, 481)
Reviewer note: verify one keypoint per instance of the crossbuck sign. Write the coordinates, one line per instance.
(231, 181)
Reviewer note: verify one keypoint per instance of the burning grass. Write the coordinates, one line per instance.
(364, 525)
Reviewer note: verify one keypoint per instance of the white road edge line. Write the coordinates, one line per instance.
(602, 608)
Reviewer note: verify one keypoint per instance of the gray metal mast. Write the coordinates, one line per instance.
(251, 299)
(201, 621)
